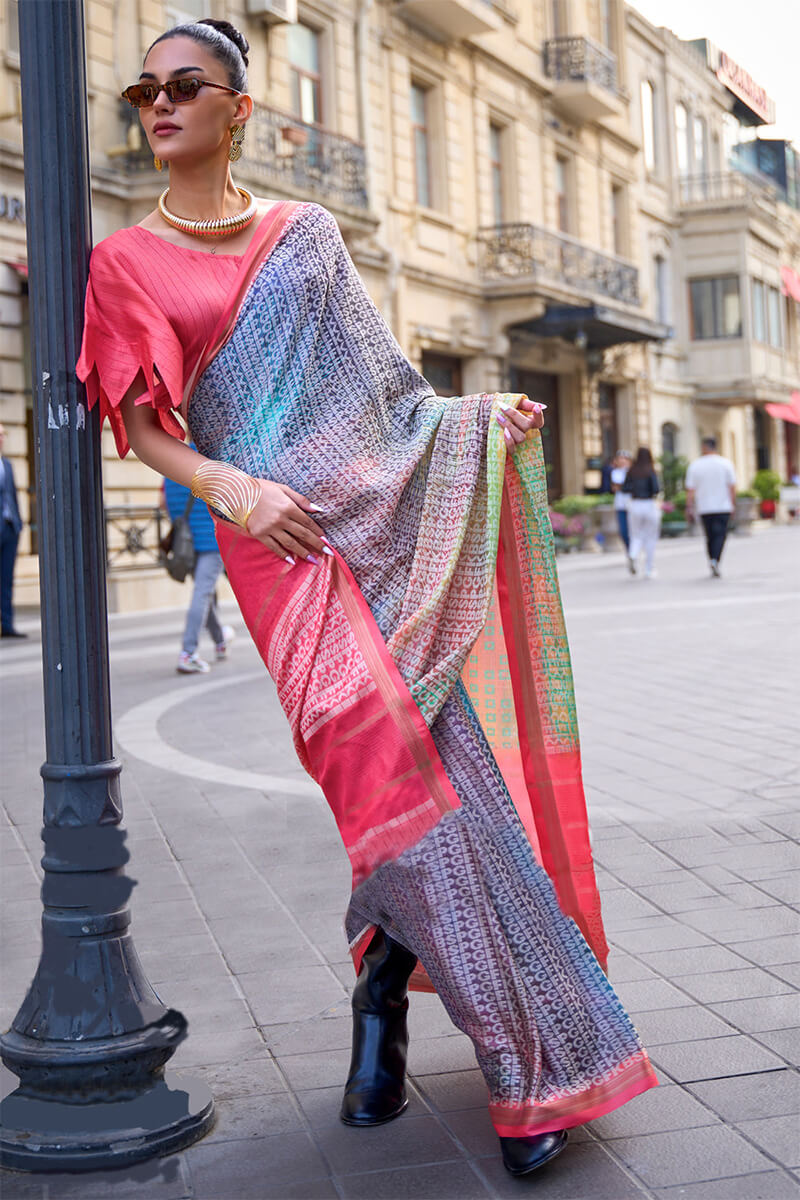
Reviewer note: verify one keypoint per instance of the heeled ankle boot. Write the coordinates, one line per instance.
(376, 1090)
(526, 1154)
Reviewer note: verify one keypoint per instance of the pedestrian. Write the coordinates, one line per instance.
(9, 540)
(202, 612)
(622, 501)
(644, 516)
(711, 495)
(358, 516)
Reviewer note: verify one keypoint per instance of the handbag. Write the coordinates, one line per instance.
(178, 555)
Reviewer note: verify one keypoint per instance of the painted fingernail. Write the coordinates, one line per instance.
(290, 560)
(327, 550)
(501, 420)
(537, 408)
(504, 406)
(316, 508)
(310, 558)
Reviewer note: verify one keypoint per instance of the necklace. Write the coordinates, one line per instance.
(219, 227)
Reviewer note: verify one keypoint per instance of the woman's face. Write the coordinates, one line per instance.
(196, 129)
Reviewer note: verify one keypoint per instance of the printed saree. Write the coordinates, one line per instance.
(423, 669)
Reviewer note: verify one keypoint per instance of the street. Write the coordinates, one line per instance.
(688, 698)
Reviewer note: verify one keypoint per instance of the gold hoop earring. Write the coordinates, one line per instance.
(157, 163)
(237, 137)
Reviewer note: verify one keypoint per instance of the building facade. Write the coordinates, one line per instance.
(523, 210)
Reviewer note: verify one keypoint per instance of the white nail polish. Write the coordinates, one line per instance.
(290, 560)
(327, 550)
(316, 508)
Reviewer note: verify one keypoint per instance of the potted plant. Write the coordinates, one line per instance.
(673, 472)
(745, 511)
(767, 485)
(673, 515)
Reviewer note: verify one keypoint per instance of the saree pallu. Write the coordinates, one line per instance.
(423, 669)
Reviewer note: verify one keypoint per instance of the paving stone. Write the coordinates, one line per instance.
(431, 1056)
(748, 1097)
(254, 1116)
(409, 1139)
(764, 1013)
(283, 995)
(305, 1071)
(785, 1042)
(321, 1107)
(301, 1037)
(657, 1111)
(266, 1168)
(779, 1136)
(253, 1077)
(161, 1179)
(451, 1091)
(674, 936)
(713, 1058)
(663, 1027)
(768, 952)
(767, 1185)
(674, 963)
(718, 986)
(444, 1181)
(689, 1155)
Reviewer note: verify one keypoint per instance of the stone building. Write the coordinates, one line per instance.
(519, 214)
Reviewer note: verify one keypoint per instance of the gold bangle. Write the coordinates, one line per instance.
(227, 489)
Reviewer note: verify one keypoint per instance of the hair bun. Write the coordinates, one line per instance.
(232, 33)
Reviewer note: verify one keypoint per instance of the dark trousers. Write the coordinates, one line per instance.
(716, 527)
(622, 526)
(8, 553)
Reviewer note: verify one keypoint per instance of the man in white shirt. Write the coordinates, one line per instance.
(711, 495)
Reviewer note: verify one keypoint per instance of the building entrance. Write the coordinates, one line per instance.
(544, 389)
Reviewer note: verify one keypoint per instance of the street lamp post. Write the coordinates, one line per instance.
(91, 1038)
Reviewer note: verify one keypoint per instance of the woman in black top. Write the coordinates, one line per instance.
(644, 516)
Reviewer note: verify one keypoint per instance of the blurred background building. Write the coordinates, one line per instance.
(550, 196)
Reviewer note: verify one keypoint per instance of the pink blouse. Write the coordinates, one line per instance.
(150, 306)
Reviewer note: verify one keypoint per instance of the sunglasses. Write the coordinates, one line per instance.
(178, 91)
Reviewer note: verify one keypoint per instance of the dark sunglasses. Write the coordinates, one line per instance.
(178, 91)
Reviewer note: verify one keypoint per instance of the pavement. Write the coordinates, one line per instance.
(687, 692)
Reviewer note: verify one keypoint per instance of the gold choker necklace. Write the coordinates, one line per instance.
(220, 227)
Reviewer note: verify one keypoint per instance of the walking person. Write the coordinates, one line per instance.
(711, 495)
(622, 501)
(362, 520)
(208, 566)
(644, 515)
(9, 540)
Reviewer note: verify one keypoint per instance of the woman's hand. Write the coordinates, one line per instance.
(517, 422)
(281, 522)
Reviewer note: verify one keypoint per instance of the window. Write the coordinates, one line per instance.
(618, 219)
(12, 26)
(661, 289)
(305, 80)
(607, 417)
(759, 312)
(496, 168)
(443, 373)
(420, 134)
(774, 317)
(607, 23)
(185, 12)
(715, 307)
(648, 97)
(669, 438)
(700, 165)
(682, 138)
(562, 193)
(558, 17)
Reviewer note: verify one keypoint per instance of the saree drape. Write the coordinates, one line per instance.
(424, 669)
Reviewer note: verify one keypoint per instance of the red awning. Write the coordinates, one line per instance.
(20, 267)
(791, 283)
(786, 412)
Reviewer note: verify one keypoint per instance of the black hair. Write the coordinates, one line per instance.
(711, 442)
(223, 40)
(643, 465)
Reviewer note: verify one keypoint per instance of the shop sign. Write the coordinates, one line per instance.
(12, 208)
(744, 87)
(791, 283)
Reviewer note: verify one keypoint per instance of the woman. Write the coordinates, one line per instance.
(361, 519)
(644, 514)
(622, 501)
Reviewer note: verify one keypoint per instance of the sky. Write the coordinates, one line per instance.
(763, 36)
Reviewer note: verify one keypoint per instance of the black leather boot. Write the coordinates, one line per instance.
(526, 1154)
(376, 1089)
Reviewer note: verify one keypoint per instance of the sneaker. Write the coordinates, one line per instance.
(651, 574)
(631, 565)
(192, 664)
(221, 650)
(715, 568)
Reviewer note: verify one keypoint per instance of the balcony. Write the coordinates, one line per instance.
(450, 20)
(585, 77)
(729, 189)
(554, 261)
(297, 158)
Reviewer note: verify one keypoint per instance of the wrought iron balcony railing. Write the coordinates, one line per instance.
(727, 187)
(520, 251)
(580, 60)
(133, 537)
(295, 156)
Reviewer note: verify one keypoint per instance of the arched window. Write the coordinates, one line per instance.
(682, 138)
(669, 438)
(649, 142)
